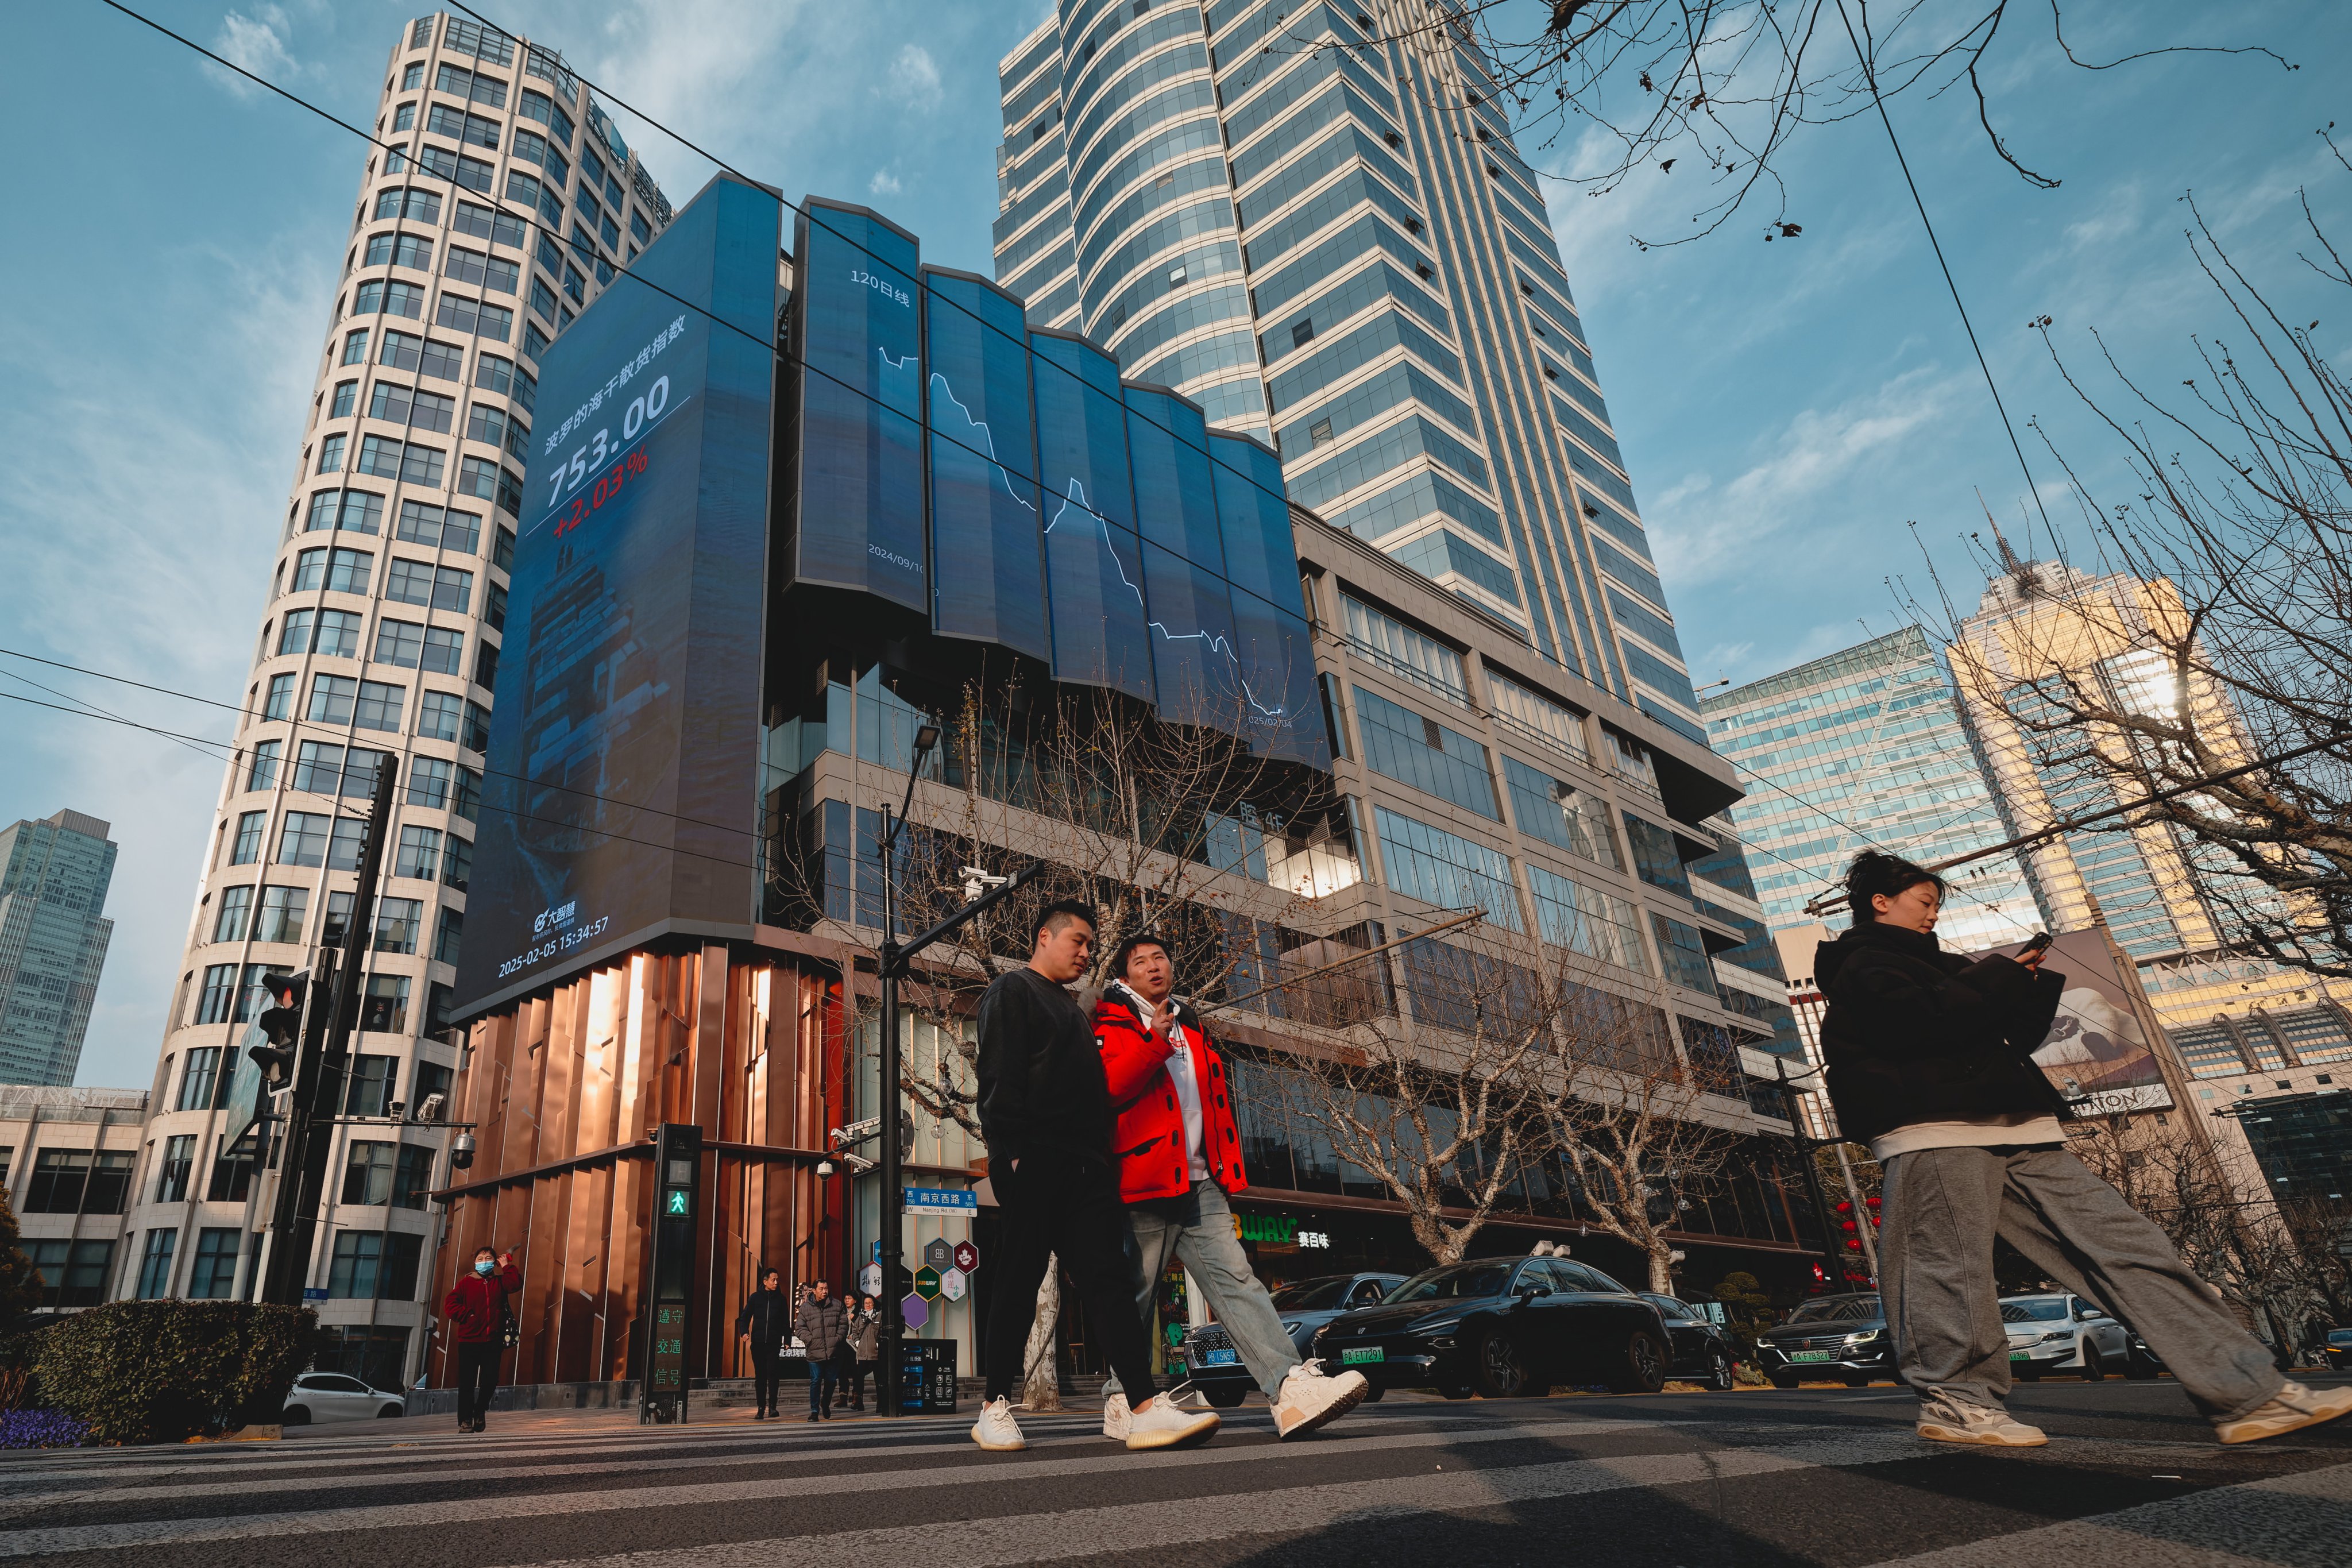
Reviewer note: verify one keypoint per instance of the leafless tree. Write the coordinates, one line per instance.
(1635, 85)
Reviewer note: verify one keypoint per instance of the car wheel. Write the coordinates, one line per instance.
(2138, 1367)
(389, 1412)
(1784, 1380)
(1454, 1389)
(1374, 1393)
(1641, 1366)
(1718, 1374)
(1498, 1372)
(296, 1415)
(2093, 1369)
(1225, 1398)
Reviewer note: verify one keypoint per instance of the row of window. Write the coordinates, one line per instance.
(365, 1265)
(436, 361)
(318, 839)
(392, 297)
(271, 913)
(413, 463)
(340, 568)
(233, 993)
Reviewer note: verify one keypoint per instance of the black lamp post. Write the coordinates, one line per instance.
(893, 1155)
(1831, 1257)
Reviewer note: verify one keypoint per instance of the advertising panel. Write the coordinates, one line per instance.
(2097, 1053)
(1094, 560)
(988, 581)
(620, 800)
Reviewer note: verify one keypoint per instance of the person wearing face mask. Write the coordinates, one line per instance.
(1930, 1062)
(475, 1311)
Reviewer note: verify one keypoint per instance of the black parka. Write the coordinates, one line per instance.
(1915, 1034)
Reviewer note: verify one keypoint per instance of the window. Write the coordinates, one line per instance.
(410, 250)
(409, 206)
(235, 914)
(456, 862)
(155, 1265)
(1538, 717)
(472, 130)
(543, 299)
(421, 523)
(263, 773)
(174, 1170)
(380, 455)
(279, 702)
(211, 1275)
(438, 716)
(399, 642)
(485, 663)
(1684, 953)
(330, 455)
(203, 1086)
(576, 286)
(1444, 870)
(489, 222)
(472, 316)
(355, 347)
(374, 1080)
(403, 119)
(331, 699)
(420, 848)
(1657, 859)
(339, 570)
(409, 582)
(338, 920)
(402, 351)
(79, 1180)
(318, 767)
(411, 1176)
(486, 422)
(338, 634)
(371, 1264)
(1403, 745)
(73, 1273)
(344, 849)
(494, 608)
(1561, 815)
(380, 705)
(283, 912)
(639, 229)
(502, 556)
(445, 939)
(1587, 920)
(347, 396)
(218, 996)
(428, 782)
(476, 737)
(534, 342)
(452, 589)
(442, 362)
(432, 411)
(367, 1172)
(301, 841)
(246, 849)
(1404, 651)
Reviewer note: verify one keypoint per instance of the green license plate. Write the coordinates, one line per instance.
(2020, 1355)
(1362, 1354)
(1813, 1355)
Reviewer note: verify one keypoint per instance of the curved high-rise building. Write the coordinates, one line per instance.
(511, 203)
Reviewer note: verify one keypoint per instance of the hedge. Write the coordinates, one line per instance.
(158, 1371)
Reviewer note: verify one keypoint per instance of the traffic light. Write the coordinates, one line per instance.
(281, 1027)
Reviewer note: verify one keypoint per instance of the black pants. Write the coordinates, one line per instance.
(855, 1380)
(1070, 1209)
(477, 1379)
(765, 1365)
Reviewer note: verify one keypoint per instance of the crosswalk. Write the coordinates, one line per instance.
(1451, 1484)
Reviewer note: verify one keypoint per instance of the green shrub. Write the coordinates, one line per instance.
(158, 1371)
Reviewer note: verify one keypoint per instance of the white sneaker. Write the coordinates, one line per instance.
(996, 1430)
(1310, 1398)
(2293, 1408)
(1163, 1426)
(1116, 1417)
(1943, 1420)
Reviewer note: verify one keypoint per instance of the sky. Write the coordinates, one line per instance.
(1786, 409)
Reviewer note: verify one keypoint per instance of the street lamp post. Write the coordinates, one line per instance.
(1832, 1257)
(892, 1154)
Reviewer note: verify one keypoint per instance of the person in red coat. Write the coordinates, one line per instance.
(475, 1311)
(1179, 1159)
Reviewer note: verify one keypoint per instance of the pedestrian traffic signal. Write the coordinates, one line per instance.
(281, 1026)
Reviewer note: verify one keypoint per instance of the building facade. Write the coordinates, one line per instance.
(1864, 749)
(511, 203)
(53, 939)
(67, 1157)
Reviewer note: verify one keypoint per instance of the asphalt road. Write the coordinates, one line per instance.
(1828, 1477)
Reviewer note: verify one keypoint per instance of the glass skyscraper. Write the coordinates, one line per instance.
(1865, 749)
(1312, 220)
(52, 939)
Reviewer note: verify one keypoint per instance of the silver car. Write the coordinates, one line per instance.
(2064, 1334)
(318, 1396)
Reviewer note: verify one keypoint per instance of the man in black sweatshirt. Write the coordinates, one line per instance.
(1045, 1113)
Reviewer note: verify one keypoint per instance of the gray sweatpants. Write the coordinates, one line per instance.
(1198, 1230)
(1943, 1209)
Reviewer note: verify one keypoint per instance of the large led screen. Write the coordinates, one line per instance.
(988, 581)
(621, 796)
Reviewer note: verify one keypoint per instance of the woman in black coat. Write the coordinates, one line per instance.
(1929, 1059)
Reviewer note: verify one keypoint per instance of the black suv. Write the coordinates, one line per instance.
(1844, 1337)
(1701, 1350)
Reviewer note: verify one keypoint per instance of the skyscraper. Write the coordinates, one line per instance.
(1312, 220)
(381, 636)
(53, 939)
(1864, 748)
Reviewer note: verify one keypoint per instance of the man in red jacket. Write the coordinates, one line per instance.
(1180, 1157)
(475, 1311)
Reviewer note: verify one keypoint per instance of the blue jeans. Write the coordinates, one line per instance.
(821, 1378)
(1198, 1230)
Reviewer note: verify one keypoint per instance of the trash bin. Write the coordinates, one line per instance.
(927, 1376)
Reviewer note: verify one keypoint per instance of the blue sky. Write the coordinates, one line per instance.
(174, 238)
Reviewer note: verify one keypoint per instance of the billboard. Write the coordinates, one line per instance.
(2097, 1053)
(621, 795)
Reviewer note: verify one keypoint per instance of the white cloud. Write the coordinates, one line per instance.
(915, 78)
(883, 183)
(258, 44)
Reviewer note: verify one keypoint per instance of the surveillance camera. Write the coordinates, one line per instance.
(429, 1109)
(824, 1167)
(461, 1152)
(393, 1108)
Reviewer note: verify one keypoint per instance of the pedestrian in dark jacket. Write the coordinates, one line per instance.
(762, 1325)
(821, 1325)
(1046, 1113)
(865, 1340)
(1929, 1061)
(475, 1311)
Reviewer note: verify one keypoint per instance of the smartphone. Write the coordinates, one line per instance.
(2038, 942)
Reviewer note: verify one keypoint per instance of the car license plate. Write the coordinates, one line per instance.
(1220, 1358)
(2020, 1355)
(1813, 1355)
(1362, 1354)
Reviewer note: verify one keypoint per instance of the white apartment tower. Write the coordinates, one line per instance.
(511, 203)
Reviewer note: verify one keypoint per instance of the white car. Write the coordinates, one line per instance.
(2064, 1334)
(331, 1396)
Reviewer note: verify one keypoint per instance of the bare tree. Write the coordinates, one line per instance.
(2215, 599)
(1729, 84)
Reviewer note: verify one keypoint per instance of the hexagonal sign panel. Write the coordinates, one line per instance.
(938, 1253)
(927, 1282)
(915, 1310)
(953, 1284)
(967, 1257)
(869, 1280)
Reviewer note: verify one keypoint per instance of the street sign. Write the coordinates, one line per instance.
(313, 1293)
(939, 1253)
(967, 1257)
(915, 1310)
(869, 1280)
(956, 1203)
(953, 1283)
(927, 1282)
(675, 1203)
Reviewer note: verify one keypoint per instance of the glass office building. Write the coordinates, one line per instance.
(53, 941)
(1321, 231)
(1861, 749)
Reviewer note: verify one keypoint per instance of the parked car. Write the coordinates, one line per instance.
(1842, 1337)
(2339, 1348)
(2064, 1332)
(1503, 1327)
(1214, 1366)
(332, 1396)
(1696, 1342)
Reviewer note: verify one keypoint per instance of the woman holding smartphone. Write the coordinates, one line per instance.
(1929, 1060)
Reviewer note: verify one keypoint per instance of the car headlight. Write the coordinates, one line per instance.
(1446, 1327)
(1865, 1337)
(1289, 1328)
(2057, 1335)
